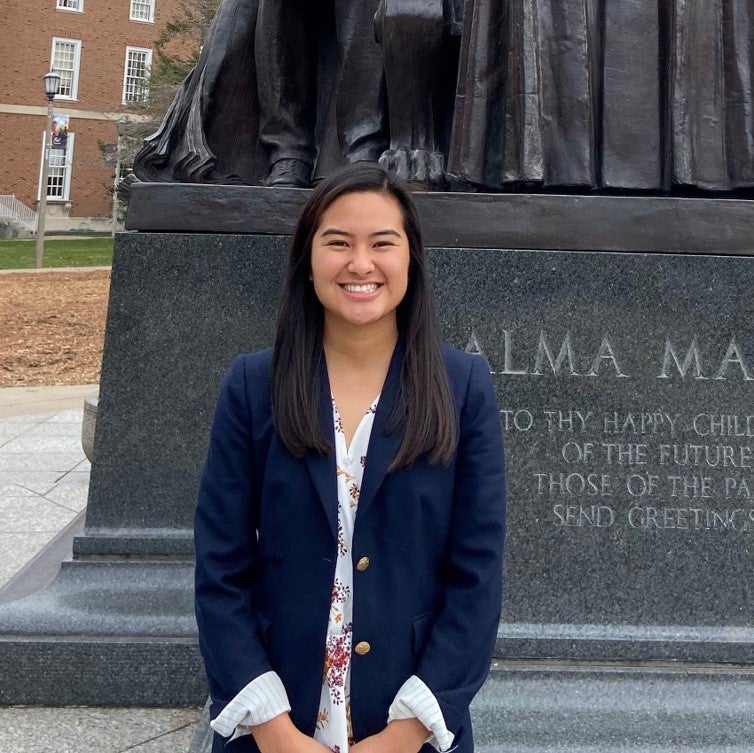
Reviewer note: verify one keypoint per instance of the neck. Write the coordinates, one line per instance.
(360, 345)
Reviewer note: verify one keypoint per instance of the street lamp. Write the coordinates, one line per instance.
(52, 86)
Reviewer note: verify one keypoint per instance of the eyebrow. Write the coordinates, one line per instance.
(336, 231)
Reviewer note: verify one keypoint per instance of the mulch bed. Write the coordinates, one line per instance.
(52, 327)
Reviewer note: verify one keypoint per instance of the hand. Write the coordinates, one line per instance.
(280, 735)
(400, 736)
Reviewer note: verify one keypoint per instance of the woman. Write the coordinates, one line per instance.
(350, 520)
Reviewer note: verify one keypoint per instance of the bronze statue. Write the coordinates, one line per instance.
(584, 95)
(605, 94)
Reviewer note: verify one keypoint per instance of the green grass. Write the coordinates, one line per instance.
(73, 252)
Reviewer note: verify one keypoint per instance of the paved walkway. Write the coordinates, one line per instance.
(50, 269)
(44, 482)
(35, 401)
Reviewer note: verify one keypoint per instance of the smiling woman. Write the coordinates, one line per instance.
(350, 520)
(360, 261)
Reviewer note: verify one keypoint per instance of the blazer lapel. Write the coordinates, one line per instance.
(322, 467)
(383, 443)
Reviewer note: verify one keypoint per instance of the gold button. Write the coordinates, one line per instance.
(362, 648)
(362, 564)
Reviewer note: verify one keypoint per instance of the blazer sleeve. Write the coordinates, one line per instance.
(226, 548)
(457, 656)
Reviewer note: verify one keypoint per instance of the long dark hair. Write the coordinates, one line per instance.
(425, 405)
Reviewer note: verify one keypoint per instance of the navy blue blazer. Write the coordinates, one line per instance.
(266, 537)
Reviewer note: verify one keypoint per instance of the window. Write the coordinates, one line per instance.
(77, 5)
(59, 173)
(136, 76)
(142, 10)
(66, 57)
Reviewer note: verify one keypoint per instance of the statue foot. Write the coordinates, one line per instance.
(420, 167)
(289, 173)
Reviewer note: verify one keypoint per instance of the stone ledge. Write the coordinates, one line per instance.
(105, 672)
(686, 643)
(126, 600)
(592, 709)
(471, 220)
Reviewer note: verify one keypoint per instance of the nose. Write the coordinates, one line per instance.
(361, 261)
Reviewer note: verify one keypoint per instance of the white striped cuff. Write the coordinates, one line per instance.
(262, 699)
(415, 700)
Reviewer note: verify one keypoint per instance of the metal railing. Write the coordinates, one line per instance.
(16, 211)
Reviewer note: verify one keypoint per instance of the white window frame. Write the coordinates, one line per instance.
(68, 170)
(76, 66)
(60, 6)
(139, 19)
(130, 49)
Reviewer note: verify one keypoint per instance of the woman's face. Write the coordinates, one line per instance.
(360, 259)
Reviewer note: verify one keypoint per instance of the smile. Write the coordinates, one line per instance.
(370, 287)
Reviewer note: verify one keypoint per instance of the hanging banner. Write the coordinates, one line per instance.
(60, 132)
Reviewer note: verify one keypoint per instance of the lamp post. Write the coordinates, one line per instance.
(52, 86)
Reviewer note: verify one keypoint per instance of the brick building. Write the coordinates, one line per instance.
(102, 49)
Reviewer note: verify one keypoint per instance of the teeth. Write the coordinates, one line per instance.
(370, 288)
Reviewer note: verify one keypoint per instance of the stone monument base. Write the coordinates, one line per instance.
(627, 618)
(104, 634)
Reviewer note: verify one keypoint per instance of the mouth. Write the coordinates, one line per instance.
(369, 287)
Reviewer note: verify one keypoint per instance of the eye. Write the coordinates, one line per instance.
(384, 244)
(338, 242)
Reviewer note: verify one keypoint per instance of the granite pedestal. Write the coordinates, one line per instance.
(618, 333)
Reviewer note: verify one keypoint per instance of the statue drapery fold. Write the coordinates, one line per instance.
(605, 94)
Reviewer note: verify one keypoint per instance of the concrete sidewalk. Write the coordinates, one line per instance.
(35, 401)
(44, 482)
(50, 269)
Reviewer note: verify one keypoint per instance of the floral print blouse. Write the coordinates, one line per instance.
(334, 718)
